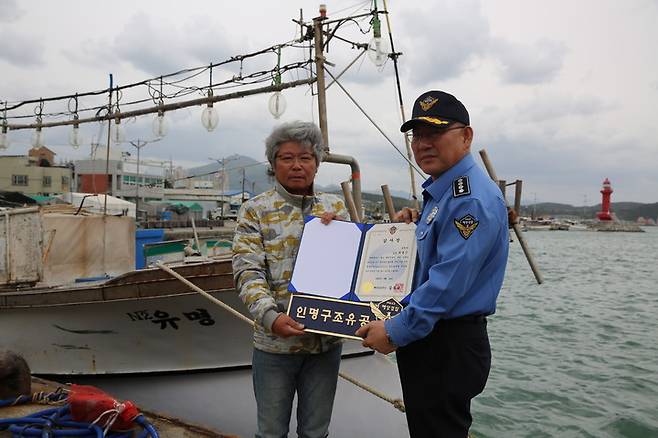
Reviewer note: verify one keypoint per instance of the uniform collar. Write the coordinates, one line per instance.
(436, 188)
(296, 200)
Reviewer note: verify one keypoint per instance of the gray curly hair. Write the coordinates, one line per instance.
(305, 133)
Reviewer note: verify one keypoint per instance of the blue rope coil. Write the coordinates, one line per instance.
(57, 422)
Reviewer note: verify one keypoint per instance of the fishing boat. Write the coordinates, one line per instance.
(109, 318)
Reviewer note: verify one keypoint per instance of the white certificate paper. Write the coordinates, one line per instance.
(326, 258)
(387, 262)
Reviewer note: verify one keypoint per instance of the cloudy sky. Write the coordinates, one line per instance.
(562, 94)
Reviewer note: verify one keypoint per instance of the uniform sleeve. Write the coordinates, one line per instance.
(461, 256)
(249, 268)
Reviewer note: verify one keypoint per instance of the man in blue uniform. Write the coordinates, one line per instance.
(441, 339)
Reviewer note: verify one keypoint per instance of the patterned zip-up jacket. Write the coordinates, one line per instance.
(264, 249)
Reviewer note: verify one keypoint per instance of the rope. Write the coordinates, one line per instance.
(397, 403)
(55, 422)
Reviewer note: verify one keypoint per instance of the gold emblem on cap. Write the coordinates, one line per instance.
(433, 120)
(428, 102)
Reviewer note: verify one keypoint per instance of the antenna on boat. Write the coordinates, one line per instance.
(394, 56)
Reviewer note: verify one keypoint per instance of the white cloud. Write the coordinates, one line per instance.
(21, 50)
(9, 11)
(558, 101)
(529, 63)
(442, 41)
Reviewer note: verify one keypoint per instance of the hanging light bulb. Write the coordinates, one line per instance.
(74, 135)
(117, 132)
(160, 125)
(378, 47)
(378, 50)
(277, 104)
(37, 138)
(4, 137)
(209, 116)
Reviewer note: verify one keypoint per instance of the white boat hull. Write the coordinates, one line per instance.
(128, 336)
(143, 322)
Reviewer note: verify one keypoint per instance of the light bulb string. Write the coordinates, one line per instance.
(158, 93)
(258, 77)
(195, 72)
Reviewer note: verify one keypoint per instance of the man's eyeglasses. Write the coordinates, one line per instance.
(290, 159)
(432, 135)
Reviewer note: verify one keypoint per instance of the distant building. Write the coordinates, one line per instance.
(34, 174)
(645, 221)
(122, 179)
(154, 184)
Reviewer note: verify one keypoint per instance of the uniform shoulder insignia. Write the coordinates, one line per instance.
(461, 187)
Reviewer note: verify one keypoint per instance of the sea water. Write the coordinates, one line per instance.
(574, 357)
(578, 355)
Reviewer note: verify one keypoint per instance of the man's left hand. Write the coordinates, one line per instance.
(328, 216)
(512, 217)
(375, 337)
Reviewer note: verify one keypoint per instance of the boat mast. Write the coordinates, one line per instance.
(394, 56)
(319, 70)
(322, 115)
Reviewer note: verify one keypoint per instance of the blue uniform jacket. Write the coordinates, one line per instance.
(463, 242)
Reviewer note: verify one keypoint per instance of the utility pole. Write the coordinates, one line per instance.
(223, 162)
(139, 144)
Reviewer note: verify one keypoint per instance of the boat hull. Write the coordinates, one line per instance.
(142, 322)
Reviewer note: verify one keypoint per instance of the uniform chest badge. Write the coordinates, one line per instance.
(430, 217)
(466, 226)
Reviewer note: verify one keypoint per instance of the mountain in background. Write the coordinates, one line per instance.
(628, 211)
(257, 181)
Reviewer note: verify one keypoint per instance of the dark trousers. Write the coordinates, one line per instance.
(441, 373)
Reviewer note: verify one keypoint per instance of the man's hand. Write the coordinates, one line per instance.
(406, 215)
(328, 216)
(512, 217)
(285, 326)
(374, 334)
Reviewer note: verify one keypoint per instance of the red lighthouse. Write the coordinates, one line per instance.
(606, 191)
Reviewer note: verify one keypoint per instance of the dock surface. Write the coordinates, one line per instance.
(167, 426)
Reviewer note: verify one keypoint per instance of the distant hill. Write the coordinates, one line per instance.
(628, 211)
(257, 180)
(255, 173)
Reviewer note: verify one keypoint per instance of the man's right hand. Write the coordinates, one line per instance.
(406, 215)
(285, 326)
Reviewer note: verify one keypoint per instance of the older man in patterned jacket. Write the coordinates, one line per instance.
(286, 359)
